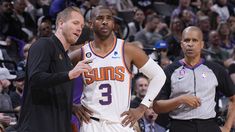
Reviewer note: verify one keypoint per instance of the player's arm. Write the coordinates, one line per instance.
(231, 114)
(79, 64)
(76, 56)
(226, 86)
(82, 113)
(153, 71)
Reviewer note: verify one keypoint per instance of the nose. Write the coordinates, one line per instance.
(79, 29)
(189, 43)
(104, 22)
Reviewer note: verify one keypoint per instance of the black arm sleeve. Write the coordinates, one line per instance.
(225, 84)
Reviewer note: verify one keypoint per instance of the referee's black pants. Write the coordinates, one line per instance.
(194, 125)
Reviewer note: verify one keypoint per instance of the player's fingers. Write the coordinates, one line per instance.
(132, 120)
(87, 67)
(87, 61)
(128, 119)
(88, 111)
(79, 67)
(132, 123)
(124, 113)
(83, 115)
(125, 120)
(84, 70)
(79, 117)
(83, 66)
(86, 117)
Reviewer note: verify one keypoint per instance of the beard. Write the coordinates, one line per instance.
(102, 36)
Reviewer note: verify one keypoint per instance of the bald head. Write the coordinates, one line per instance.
(192, 43)
(193, 28)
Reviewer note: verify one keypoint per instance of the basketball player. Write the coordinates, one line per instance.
(106, 95)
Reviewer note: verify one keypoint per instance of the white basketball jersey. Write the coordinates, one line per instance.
(107, 87)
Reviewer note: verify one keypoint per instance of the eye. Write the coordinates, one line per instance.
(187, 40)
(75, 22)
(99, 18)
(195, 40)
(110, 18)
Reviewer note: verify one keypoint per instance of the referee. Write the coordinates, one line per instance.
(189, 93)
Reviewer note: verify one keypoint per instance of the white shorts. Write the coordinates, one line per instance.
(103, 126)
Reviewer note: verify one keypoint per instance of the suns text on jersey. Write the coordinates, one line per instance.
(105, 73)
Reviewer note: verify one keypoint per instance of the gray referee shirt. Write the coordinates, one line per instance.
(203, 81)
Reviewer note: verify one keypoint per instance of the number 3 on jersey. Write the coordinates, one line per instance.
(106, 94)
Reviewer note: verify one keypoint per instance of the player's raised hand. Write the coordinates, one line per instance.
(81, 67)
(133, 115)
(82, 113)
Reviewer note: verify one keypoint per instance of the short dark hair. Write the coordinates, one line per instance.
(95, 9)
(139, 75)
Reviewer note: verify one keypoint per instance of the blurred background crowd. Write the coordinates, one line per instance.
(153, 25)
